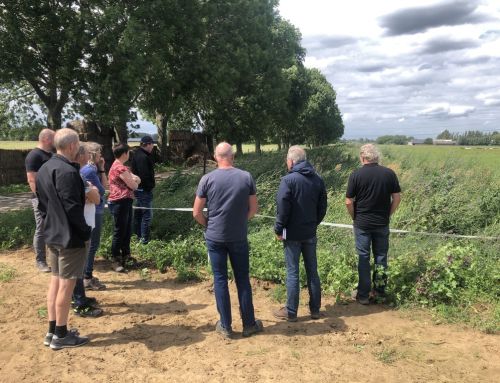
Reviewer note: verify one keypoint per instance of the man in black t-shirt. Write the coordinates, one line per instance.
(373, 195)
(34, 161)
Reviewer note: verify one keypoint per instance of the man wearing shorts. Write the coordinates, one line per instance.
(61, 196)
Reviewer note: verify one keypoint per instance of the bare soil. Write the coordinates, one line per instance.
(158, 330)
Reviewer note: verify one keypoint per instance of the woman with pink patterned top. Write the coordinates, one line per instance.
(122, 184)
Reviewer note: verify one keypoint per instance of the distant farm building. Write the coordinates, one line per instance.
(416, 142)
(444, 142)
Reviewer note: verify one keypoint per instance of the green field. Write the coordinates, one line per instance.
(18, 145)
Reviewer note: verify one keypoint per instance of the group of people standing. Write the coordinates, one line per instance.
(69, 198)
(68, 201)
(229, 194)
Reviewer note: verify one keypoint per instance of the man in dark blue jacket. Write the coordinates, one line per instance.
(61, 197)
(301, 206)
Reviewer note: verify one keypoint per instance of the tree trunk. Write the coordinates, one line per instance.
(257, 146)
(122, 132)
(54, 118)
(239, 148)
(210, 144)
(162, 126)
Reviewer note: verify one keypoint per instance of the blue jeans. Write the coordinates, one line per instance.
(142, 218)
(378, 240)
(122, 231)
(292, 257)
(239, 258)
(95, 240)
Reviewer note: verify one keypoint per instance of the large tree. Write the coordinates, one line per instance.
(45, 43)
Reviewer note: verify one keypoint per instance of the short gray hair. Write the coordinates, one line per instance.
(64, 138)
(370, 153)
(296, 154)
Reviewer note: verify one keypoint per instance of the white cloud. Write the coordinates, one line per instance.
(377, 76)
(445, 110)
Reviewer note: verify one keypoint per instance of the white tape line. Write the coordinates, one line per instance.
(342, 225)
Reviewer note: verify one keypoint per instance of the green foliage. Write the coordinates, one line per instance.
(14, 188)
(394, 140)
(16, 229)
(7, 273)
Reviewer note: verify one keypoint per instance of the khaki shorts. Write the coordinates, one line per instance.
(67, 263)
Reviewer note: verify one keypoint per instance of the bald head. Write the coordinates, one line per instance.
(46, 140)
(224, 154)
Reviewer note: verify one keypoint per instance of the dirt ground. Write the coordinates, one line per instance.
(158, 330)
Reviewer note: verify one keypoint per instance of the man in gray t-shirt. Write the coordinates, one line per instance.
(229, 195)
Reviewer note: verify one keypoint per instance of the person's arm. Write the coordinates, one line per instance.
(93, 195)
(31, 176)
(283, 207)
(349, 204)
(350, 195)
(253, 206)
(130, 180)
(68, 187)
(198, 206)
(396, 199)
(102, 174)
(322, 204)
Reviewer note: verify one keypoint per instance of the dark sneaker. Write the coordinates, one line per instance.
(315, 315)
(256, 328)
(362, 301)
(89, 301)
(43, 267)
(282, 313)
(117, 267)
(226, 334)
(378, 297)
(93, 284)
(87, 311)
(48, 339)
(72, 339)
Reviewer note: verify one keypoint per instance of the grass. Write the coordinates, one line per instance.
(42, 312)
(18, 145)
(7, 273)
(387, 355)
(14, 188)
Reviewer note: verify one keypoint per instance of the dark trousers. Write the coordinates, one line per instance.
(143, 217)
(239, 258)
(122, 230)
(376, 240)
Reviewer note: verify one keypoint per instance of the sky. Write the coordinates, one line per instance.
(410, 67)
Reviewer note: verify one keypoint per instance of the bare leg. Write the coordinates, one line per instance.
(63, 300)
(51, 297)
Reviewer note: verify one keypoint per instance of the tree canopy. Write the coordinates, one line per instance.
(233, 68)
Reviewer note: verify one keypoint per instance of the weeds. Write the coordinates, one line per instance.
(7, 273)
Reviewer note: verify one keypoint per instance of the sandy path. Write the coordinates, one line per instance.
(159, 330)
